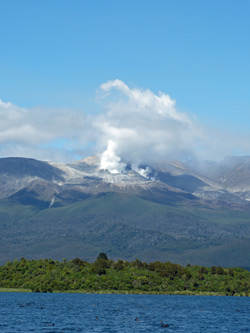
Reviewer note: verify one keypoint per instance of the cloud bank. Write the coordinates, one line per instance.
(140, 127)
(43, 133)
(135, 127)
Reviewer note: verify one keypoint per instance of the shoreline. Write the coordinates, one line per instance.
(125, 292)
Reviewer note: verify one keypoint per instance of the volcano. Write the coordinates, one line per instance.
(197, 214)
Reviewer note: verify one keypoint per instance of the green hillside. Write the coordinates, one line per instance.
(125, 226)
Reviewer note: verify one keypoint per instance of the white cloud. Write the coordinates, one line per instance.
(37, 132)
(145, 101)
(134, 126)
(144, 127)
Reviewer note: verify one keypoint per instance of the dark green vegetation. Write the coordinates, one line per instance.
(201, 217)
(122, 277)
(126, 226)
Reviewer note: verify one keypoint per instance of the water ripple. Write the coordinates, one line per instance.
(50, 313)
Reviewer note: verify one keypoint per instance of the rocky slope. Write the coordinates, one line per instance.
(177, 212)
(225, 184)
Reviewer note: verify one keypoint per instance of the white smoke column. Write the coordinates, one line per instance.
(143, 172)
(111, 162)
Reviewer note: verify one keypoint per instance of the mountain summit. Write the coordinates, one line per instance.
(172, 212)
(226, 183)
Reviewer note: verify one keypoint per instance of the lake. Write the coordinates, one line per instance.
(34, 312)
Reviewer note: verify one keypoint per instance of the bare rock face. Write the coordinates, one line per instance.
(233, 173)
(225, 183)
(17, 173)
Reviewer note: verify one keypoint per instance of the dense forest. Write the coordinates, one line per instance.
(108, 276)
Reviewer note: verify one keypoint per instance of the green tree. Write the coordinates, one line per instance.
(99, 266)
(213, 270)
(203, 270)
(78, 262)
(118, 266)
(220, 270)
(102, 255)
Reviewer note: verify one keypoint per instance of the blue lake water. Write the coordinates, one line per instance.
(30, 312)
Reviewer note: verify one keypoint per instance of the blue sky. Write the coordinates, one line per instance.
(57, 53)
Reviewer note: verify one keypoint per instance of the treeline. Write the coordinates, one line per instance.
(122, 276)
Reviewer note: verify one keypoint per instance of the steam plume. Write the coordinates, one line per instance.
(135, 127)
(140, 127)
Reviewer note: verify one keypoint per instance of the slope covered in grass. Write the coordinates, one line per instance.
(125, 226)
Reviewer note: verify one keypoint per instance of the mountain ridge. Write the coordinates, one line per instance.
(75, 210)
